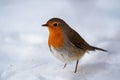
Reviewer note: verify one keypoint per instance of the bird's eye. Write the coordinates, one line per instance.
(55, 24)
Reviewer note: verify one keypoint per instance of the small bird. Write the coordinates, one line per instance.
(65, 43)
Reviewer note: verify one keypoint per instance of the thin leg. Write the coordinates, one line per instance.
(76, 66)
(64, 66)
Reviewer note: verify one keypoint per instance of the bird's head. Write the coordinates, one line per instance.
(55, 24)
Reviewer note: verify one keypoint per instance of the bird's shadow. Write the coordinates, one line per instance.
(93, 67)
(87, 70)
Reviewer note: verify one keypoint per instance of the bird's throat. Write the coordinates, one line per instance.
(56, 37)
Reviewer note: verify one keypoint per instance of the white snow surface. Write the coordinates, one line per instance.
(24, 53)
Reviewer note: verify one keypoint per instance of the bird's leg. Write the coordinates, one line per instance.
(64, 65)
(76, 66)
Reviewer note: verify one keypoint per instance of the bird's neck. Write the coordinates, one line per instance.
(56, 37)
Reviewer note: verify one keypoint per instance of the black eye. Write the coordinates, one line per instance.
(55, 24)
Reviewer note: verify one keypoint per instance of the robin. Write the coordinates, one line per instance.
(65, 43)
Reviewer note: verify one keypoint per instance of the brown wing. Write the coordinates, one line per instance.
(77, 40)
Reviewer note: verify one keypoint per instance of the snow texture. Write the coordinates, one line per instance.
(24, 54)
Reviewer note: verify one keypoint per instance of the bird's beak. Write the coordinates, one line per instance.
(44, 25)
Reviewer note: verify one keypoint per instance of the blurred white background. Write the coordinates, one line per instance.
(24, 54)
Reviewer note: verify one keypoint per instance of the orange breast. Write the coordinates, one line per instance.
(56, 38)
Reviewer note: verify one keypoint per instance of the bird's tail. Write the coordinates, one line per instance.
(96, 48)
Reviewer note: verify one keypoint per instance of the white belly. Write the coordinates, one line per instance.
(66, 56)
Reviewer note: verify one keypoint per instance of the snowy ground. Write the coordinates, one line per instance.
(24, 54)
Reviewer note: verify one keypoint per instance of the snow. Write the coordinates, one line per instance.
(24, 54)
